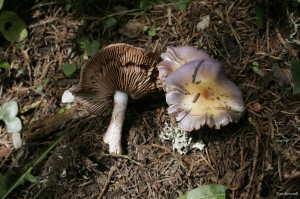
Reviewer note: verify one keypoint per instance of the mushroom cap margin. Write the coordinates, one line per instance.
(174, 57)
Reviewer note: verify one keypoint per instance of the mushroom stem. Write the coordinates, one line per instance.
(113, 134)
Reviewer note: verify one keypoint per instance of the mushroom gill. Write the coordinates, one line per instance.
(199, 93)
(115, 67)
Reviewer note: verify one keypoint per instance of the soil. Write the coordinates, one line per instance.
(258, 157)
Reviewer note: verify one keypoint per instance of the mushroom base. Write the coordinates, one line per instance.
(113, 134)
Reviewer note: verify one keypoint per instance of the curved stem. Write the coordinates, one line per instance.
(113, 134)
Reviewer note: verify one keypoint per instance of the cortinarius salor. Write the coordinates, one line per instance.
(109, 78)
(200, 93)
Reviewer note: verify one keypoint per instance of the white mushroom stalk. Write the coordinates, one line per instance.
(113, 134)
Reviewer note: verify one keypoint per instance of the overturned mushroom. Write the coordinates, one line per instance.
(174, 57)
(109, 78)
(199, 93)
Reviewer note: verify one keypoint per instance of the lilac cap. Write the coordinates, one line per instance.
(200, 93)
(175, 57)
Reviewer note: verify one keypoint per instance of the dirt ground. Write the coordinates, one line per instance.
(258, 157)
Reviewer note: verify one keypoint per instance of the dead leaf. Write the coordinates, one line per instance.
(278, 75)
(256, 107)
(133, 28)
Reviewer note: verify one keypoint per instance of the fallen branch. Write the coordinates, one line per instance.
(45, 127)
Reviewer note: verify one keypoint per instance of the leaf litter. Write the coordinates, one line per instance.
(257, 157)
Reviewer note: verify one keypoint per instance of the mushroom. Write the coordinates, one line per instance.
(109, 78)
(174, 57)
(199, 93)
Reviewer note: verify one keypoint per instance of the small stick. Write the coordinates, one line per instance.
(169, 16)
(111, 171)
(124, 156)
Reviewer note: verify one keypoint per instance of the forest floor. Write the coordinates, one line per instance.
(258, 157)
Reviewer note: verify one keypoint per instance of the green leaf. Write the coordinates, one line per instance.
(4, 64)
(295, 68)
(61, 111)
(10, 109)
(13, 124)
(182, 4)
(83, 42)
(92, 48)
(109, 22)
(255, 64)
(46, 81)
(1, 4)
(3, 188)
(29, 177)
(69, 69)
(12, 27)
(68, 107)
(259, 14)
(152, 32)
(211, 191)
(143, 5)
(69, 4)
(146, 28)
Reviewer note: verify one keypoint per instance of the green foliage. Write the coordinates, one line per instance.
(8, 114)
(12, 27)
(182, 4)
(212, 191)
(41, 87)
(150, 30)
(5, 65)
(69, 68)
(61, 110)
(90, 47)
(69, 4)
(26, 174)
(3, 188)
(109, 22)
(47, 81)
(1, 4)
(255, 66)
(259, 15)
(144, 5)
(295, 68)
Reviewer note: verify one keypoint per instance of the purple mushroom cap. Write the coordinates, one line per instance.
(200, 93)
(175, 57)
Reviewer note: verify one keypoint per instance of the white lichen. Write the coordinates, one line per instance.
(181, 142)
(198, 145)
